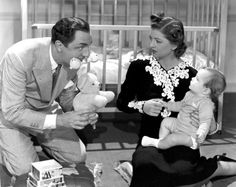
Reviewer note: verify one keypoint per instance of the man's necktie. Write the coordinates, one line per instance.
(55, 75)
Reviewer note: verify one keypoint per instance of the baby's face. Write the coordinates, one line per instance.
(197, 85)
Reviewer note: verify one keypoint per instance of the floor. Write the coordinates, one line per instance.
(115, 139)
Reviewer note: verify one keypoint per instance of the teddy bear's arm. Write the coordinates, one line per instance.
(100, 101)
(108, 94)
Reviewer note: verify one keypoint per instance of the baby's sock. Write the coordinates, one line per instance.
(147, 141)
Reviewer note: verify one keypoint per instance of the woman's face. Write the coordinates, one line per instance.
(160, 45)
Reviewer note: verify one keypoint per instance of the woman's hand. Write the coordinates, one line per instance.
(152, 107)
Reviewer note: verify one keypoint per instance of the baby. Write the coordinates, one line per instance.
(205, 89)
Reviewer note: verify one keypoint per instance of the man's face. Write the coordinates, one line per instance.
(78, 48)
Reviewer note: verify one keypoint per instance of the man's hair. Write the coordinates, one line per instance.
(216, 83)
(64, 30)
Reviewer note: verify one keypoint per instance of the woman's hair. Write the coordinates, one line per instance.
(64, 30)
(172, 29)
(216, 83)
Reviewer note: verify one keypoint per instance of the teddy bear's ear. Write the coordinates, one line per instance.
(92, 77)
(93, 72)
(82, 81)
(82, 70)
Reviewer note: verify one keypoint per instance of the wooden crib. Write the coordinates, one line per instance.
(128, 22)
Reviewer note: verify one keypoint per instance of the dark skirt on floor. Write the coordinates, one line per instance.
(168, 168)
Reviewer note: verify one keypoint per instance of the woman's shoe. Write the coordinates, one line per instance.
(224, 158)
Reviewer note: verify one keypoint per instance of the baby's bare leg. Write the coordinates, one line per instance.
(167, 127)
(175, 139)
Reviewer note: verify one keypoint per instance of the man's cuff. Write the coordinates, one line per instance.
(50, 121)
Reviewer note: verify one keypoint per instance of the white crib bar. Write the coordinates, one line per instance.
(194, 47)
(207, 11)
(212, 12)
(209, 48)
(177, 9)
(44, 26)
(24, 6)
(104, 59)
(115, 13)
(89, 10)
(35, 19)
(62, 9)
(222, 38)
(153, 6)
(135, 43)
(120, 61)
(75, 12)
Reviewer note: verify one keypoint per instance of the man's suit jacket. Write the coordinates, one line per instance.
(26, 84)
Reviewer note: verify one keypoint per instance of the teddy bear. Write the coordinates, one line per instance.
(90, 96)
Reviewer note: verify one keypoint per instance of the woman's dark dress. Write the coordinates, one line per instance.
(152, 167)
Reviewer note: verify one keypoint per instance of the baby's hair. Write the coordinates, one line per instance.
(216, 83)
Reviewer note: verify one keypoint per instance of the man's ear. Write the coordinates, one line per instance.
(59, 45)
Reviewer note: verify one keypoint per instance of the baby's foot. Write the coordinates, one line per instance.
(147, 141)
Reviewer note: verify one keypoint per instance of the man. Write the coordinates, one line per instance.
(28, 97)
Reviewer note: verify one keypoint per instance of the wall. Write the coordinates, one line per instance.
(230, 68)
(10, 21)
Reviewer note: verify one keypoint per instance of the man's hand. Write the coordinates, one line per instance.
(77, 119)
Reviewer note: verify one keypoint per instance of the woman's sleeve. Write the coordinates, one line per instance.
(128, 89)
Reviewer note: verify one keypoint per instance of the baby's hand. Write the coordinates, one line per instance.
(163, 103)
(200, 137)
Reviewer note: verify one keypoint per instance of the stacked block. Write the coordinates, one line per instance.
(46, 173)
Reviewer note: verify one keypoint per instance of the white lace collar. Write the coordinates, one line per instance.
(168, 80)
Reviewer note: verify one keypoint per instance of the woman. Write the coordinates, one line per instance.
(164, 76)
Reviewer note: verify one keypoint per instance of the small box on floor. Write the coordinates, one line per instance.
(46, 182)
(46, 169)
(30, 184)
(46, 174)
